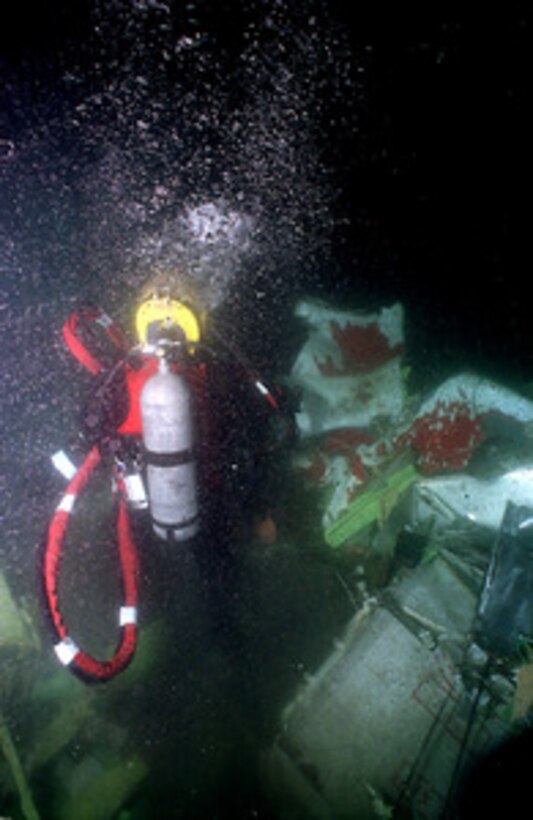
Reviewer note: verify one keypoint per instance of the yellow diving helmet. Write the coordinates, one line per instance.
(162, 311)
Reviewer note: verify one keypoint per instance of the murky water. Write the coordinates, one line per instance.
(216, 139)
(160, 144)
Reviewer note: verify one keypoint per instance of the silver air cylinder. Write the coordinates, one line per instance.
(169, 442)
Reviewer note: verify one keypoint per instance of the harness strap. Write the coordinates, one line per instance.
(67, 651)
(71, 334)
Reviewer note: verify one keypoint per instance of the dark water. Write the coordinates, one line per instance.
(272, 149)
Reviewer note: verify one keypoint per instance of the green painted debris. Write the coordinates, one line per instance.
(67, 720)
(104, 795)
(58, 687)
(15, 626)
(374, 504)
(9, 752)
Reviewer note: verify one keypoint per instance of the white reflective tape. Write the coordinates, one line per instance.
(262, 389)
(64, 465)
(66, 651)
(104, 320)
(135, 491)
(127, 615)
(67, 503)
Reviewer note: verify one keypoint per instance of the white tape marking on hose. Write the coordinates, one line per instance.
(66, 650)
(67, 503)
(127, 615)
(64, 465)
(135, 491)
(104, 320)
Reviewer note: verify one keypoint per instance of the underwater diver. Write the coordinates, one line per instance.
(192, 437)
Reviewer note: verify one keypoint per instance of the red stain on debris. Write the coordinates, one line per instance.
(345, 443)
(382, 449)
(342, 443)
(356, 467)
(316, 470)
(445, 438)
(363, 348)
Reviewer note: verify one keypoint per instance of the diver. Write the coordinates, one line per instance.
(192, 436)
(186, 405)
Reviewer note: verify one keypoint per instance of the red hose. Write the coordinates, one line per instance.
(71, 335)
(69, 654)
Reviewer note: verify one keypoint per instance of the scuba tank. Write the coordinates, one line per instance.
(169, 441)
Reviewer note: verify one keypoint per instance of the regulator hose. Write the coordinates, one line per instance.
(69, 654)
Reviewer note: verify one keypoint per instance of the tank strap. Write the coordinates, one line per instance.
(86, 317)
(68, 653)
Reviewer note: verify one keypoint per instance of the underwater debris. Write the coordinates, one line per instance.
(16, 627)
(105, 790)
(424, 679)
(357, 423)
(523, 700)
(386, 709)
(16, 769)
